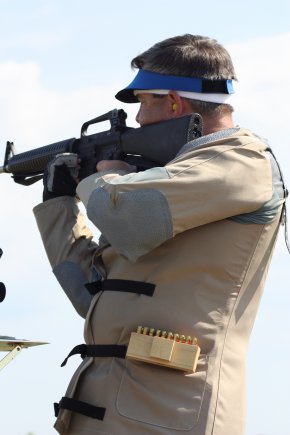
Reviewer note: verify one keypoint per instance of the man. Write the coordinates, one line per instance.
(184, 248)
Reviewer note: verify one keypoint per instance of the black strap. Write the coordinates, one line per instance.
(121, 285)
(97, 350)
(83, 408)
(79, 349)
(214, 86)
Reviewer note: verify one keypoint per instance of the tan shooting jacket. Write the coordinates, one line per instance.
(201, 232)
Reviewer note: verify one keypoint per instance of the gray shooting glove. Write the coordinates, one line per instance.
(61, 176)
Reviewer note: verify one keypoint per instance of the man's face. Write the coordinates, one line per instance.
(152, 109)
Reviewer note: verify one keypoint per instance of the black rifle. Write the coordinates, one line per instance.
(144, 147)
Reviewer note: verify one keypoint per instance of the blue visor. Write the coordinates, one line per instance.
(151, 80)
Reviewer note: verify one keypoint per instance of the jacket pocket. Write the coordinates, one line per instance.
(161, 396)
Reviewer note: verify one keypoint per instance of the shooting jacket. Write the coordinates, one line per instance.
(200, 234)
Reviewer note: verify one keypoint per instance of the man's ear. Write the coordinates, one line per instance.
(177, 106)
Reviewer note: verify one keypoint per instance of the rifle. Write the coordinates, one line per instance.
(145, 147)
(2, 286)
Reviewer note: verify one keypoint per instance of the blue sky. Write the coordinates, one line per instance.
(61, 63)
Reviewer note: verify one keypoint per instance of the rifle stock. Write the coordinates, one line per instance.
(145, 147)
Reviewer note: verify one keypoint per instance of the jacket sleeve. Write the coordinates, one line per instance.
(138, 212)
(69, 247)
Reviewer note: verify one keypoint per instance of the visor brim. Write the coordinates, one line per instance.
(127, 96)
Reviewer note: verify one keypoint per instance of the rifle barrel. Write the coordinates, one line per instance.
(35, 161)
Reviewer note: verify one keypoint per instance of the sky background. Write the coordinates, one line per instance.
(61, 63)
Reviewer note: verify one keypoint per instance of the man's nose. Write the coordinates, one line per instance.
(137, 116)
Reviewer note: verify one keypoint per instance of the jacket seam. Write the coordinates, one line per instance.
(228, 323)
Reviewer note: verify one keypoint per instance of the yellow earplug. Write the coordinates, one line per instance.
(174, 107)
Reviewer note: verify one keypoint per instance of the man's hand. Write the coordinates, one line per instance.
(107, 165)
(61, 176)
